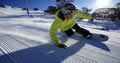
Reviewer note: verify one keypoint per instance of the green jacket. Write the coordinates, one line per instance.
(64, 24)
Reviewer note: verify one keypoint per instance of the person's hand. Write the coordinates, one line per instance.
(92, 19)
(61, 46)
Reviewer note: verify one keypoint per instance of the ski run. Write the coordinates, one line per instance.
(25, 39)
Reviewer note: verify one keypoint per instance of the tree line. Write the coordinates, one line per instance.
(108, 13)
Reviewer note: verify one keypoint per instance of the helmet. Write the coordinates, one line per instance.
(69, 6)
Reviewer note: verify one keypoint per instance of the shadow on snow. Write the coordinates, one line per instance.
(48, 53)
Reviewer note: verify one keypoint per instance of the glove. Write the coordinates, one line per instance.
(61, 46)
(92, 19)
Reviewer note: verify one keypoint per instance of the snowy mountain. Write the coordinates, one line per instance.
(26, 39)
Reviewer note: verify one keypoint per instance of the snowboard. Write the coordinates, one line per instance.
(96, 37)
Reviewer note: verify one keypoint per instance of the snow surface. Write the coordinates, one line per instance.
(26, 39)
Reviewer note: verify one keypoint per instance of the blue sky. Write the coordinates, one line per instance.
(43, 4)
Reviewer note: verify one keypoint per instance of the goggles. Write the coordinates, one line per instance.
(66, 11)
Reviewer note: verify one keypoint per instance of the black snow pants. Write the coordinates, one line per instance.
(77, 29)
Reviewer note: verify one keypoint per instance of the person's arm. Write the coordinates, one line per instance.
(78, 13)
(53, 30)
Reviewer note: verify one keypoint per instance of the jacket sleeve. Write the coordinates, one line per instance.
(78, 13)
(53, 30)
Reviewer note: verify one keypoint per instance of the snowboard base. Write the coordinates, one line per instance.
(97, 37)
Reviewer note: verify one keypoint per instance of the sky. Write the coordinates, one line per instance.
(43, 4)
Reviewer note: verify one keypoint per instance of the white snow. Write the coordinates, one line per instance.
(26, 39)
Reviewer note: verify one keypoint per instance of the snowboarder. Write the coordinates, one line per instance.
(64, 20)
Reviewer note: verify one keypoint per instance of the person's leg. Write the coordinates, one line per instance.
(82, 31)
(69, 32)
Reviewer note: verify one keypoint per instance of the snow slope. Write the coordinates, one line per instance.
(25, 39)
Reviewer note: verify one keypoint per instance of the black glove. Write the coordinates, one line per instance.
(62, 46)
(92, 19)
